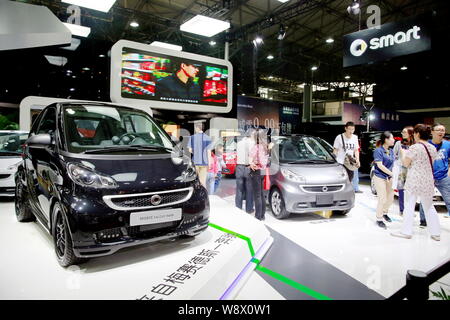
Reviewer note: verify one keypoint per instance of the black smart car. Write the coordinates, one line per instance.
(102, 177)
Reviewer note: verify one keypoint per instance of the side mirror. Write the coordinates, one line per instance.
(39, 141)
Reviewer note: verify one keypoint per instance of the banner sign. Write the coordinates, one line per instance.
(276, 115)
(390, 40)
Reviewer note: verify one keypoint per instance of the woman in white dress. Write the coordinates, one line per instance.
(419, 183)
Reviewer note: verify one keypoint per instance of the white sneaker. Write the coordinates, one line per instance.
(436, 238)
(400, 235)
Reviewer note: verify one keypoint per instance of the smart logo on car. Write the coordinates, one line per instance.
(359, 46)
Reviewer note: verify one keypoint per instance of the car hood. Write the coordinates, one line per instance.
(140, 175)
(319, 173)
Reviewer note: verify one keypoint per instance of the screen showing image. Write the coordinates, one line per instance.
(155, 76)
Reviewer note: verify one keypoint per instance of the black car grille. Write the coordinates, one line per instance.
(144, 201)
(4, 176)
(319, 189)
(8, 190)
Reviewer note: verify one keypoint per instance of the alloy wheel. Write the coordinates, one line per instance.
(18, 197)
(60, 235)
(276, 202)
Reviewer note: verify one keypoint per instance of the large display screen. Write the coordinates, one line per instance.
(147, 75)
(170, 79)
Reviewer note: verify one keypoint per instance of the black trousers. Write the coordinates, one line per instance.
(256, 179)
(244, 188)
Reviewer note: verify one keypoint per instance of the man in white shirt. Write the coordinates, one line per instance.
(350, 147)
(243, 183)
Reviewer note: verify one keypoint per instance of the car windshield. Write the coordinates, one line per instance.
(301, 149)
(106, 129)
(11, 143)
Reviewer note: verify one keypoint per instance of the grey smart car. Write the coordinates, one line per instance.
(305, 177)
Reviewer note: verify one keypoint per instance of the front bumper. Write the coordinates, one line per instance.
(132, 236)
(99, 230)
(298, 201)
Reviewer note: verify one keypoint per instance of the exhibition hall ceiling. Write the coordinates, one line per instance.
(306, 28)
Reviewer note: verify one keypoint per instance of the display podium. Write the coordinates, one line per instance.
(214, 265)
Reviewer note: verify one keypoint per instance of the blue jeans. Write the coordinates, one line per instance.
(210, 181)
(401, 199)
(217, 181)
(355, 180)
(444, 188)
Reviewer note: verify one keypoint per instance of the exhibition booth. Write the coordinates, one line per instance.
(108, 205)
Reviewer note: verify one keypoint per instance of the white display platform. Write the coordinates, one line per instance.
(214, 265)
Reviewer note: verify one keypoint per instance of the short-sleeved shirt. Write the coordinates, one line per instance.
(199, 143)
(420, 180)
(351, 145)
(440, 166)
(386, 158)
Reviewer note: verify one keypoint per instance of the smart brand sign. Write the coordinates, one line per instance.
(390, 40)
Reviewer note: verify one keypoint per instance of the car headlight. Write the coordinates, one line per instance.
(288, 174)
(87, 178)
(343, 173)
(189, 174)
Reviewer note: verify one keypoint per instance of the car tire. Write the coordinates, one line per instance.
(277, 205)
(21, 204)
(62, 239)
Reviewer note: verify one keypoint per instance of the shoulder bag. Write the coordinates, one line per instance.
(429, 157)
(349, 160)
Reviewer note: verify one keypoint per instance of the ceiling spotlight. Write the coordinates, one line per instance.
(347, 77)
(86, 69)
(270, 77)
(134, 24)
(101, 55)
(404, 68)
(281, 32)
(332, 89)
(212, 43)
(329, 40)
(314, 68)
(258, 40)
(270, 57)
(354, 8)
(72, 89)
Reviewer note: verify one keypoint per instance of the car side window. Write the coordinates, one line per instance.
(48, 122)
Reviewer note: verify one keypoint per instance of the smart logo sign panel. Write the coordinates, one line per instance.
(166, 79)
(391, 40)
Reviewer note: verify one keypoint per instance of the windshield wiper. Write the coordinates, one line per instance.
(127, 148)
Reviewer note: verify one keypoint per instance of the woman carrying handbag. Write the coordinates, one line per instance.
(400, 171)
(419, 183)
